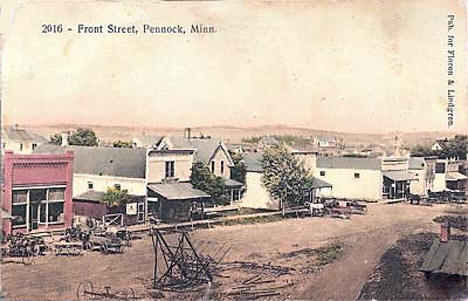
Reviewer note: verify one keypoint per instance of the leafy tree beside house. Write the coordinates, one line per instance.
(202, 178)
(239, 171)
(284, 176)
(115, 197)
(81, 136)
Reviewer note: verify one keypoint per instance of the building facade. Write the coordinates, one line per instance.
(37, 192)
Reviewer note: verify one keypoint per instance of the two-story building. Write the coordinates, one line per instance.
(211, 152)
(423, 169)
(171, 196)
(37, 192)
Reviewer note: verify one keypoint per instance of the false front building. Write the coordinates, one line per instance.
(37, 192)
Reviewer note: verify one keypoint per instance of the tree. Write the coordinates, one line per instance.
(239, 171)
(422, 151)
(115, 197)
(456, 147)
(202, 178)
(122, 144)
(81, 136)
(284, 176)
(56, 139)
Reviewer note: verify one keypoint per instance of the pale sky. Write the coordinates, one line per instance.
(359, 66)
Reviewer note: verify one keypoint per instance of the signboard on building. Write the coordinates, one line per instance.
(131, 208)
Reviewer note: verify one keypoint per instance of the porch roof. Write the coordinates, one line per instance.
(230, 183)
(317, 183)
(177, 191)
(455, 176)
(399, 175)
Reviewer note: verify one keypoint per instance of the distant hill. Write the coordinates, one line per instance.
(235, 134)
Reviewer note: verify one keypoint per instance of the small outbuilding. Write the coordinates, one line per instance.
(175, 202)
(446, 256)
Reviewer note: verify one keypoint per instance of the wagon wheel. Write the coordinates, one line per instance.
(89, 245)
(120, 248)
(126, 294)
(104, 249)
(36, 250)
(84, 289)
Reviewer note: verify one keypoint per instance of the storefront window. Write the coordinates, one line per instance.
(56, 212)
(42, 213)
(20, 196)
(19, 215)
(56, 193)
(37, 195)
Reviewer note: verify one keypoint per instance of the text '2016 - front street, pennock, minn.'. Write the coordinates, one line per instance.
(129, 29)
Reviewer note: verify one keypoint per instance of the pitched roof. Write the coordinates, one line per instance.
(205, 149)
(109, 161)
(449, 257)
(21, 135)
(318, 183)
(177, 191)
(147, 141)
(349, 163)
(416, 163)
(252, 162)
(96, 196)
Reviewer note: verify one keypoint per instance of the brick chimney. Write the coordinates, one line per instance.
(445, 232)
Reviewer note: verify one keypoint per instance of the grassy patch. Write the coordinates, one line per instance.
(254, 220)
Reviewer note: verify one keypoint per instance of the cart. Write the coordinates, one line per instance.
(68, 248)
(104, 244)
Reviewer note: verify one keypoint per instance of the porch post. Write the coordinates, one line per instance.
(27, 210)
(232, 196)
(47, 210)
(238, 195)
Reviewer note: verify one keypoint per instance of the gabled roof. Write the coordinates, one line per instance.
(147, 141)
(205, 149)
(177, 191)
(21, 135)
(349, 163)
(104, 161)
(252, 162)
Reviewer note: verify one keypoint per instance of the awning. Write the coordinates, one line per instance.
(317, 183)
(455, 176)
(399, 175)
(177, 191)
(230, 183)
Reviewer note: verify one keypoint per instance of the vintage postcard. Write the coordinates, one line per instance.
(233, 150)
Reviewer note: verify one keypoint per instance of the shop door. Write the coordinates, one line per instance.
(33, 216)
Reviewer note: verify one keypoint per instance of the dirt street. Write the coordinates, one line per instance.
(365, 239)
